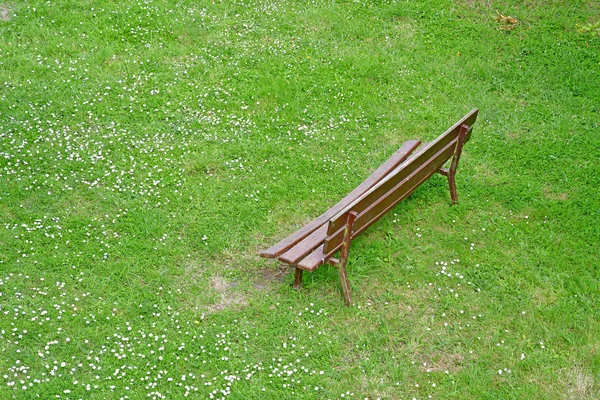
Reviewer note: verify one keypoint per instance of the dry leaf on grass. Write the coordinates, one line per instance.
(506, 21)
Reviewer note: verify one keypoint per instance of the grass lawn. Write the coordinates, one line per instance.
(150, 149)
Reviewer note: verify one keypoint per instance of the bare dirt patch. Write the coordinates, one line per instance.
(404, 29)
(229, 298)
(581, 384)
(544, 297)
(268, 277)
(4, 12)
(555, 196)
(264, 273)
(446, 362)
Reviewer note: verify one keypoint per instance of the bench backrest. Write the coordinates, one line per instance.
(399, 184)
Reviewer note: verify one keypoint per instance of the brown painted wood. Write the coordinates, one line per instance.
(374, 204)
(312, 261)
(298, 279)
(284, 245)
(460, 141)
(443, 171)
(452, 187)
(372, 208)
(316, 243)
(305, 246)
(344, 258)
(403, 171)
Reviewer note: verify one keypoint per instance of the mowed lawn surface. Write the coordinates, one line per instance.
(150, 149)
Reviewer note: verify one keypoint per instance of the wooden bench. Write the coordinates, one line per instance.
(317, 242)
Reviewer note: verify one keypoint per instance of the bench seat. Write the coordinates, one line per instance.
(294, 247)
(317, 242)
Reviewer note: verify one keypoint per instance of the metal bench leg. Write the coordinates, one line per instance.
(344, 258)
(452, 185)
(298, 279)
(451, 172)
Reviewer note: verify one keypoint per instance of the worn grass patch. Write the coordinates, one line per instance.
(4, 12)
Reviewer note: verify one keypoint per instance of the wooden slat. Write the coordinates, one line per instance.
(371, 209)
(312, 261)
(305, 246)
(400, 173)
(316, 257)
(286, 244)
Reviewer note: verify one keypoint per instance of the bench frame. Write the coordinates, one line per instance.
(310, 247)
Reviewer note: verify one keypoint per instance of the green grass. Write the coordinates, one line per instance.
(150, 149)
